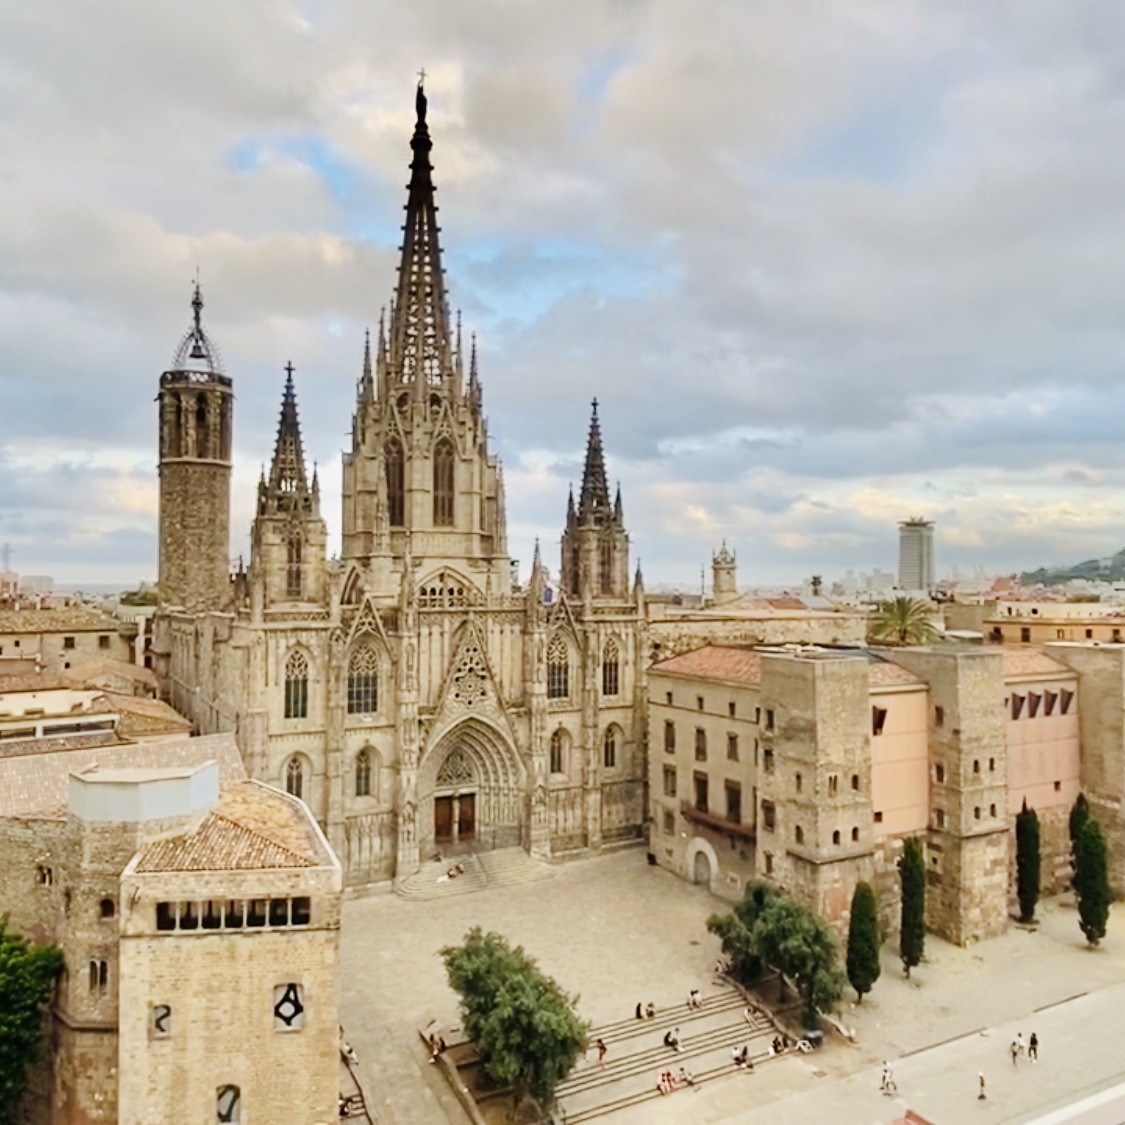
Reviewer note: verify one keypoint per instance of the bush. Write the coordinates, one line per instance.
(1027, 861)
(912, 876)
(863, 940)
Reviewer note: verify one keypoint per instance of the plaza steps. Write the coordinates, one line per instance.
(508, 867)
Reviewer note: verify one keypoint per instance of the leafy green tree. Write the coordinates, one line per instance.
(1091, 880)
(735, 930)
(862, 961)
(524, 1025)
(1027, 861)
(912, 877)
(904, 621)
(27, 978)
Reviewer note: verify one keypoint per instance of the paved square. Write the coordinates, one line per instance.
(617, 931)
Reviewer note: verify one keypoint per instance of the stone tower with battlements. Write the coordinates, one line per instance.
(196, 405)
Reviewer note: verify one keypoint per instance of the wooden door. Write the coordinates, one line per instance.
(443, 820)
(467, 817)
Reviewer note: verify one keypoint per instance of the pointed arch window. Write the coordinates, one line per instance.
(363, 773)
(396, 483)
(295, 777)
(558, 752)
(293, 565)
(611, 668)
(606, 565)
(443, 483)
(609, 749)
(363, 681)
(296, 686)
(558, 669)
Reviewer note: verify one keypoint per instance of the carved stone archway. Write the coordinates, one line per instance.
(471, 790)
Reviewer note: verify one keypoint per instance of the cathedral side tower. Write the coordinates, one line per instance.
(196, 405)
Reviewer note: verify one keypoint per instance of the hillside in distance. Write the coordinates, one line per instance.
(1111, 569)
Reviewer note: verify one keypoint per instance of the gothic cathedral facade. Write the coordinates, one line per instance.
(413, 692)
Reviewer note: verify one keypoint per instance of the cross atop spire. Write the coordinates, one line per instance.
(420, 351)
(287, 472)
(593, 503)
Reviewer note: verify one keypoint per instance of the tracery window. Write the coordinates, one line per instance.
(296, 686)
(363, 774)
(363, 681)
(443, 483)
(293, 566)
(558, 669)
(609, 749)
(558, 752)
(295, 777)
(606, 566)
(396, 483)
(611, 665)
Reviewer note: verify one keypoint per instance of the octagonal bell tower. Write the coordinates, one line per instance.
(196, 405)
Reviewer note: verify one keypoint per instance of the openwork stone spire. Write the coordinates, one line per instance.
(420, 338)
(287, 473)
(593, 504)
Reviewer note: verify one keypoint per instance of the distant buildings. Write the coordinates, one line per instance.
(916, 554)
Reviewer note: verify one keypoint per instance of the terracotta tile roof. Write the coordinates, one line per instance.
(252, 828)
(101, 668)
(35, 785)
(70, 618)
(883, 673)
(18, 747)
(716, 662)
(1032, 662)
(140, 716)
(33, 681)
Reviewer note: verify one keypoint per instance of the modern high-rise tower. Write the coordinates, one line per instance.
(916, 554)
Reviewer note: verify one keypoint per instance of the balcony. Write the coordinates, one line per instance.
(716, 823)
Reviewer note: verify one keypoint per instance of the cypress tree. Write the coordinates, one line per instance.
(863, 940)
(1091, 880)
(1079, 814)
(1027, 861)
(912, 876)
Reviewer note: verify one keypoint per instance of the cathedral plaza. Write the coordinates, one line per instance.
(617, 932)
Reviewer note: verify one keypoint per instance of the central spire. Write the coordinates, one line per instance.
(593, 503)
(287, 473)
(420, 352)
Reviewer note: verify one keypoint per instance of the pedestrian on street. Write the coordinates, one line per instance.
(602, 1048)
(980, 1078)
(1015, 1049)
(1033, 1047)
(1019, 1041)
(887, 1082)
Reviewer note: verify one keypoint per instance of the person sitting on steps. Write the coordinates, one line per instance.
(672, 1039)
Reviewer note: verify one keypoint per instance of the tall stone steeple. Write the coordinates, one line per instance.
(288, 540)
(595, 549)
(196, 417)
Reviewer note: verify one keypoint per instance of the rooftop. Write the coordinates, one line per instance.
(64, 619)
(1020, 662)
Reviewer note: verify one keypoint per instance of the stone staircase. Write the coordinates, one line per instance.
(508, 867)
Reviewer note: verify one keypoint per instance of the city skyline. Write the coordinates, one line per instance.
(820, 278)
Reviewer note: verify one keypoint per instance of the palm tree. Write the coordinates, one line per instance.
(903, 621)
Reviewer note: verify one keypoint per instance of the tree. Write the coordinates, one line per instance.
(1091, 880)
(27, 978)
(1027, 861)
(1079, 814)
(524, 1025)
(736, 931)
(912, 876)
(863, 940)
(904, 621)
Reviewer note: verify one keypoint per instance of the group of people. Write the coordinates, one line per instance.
(781, 1044)
(669, 1082)
(437, 1045)
(694, 1000)
(1018, 1047)
(646, 1011)
(740, 1056)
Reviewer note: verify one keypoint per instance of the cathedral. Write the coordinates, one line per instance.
(413, 692)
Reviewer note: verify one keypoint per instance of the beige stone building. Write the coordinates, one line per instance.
(809, 766)
(411, 692)
(1040, 623)
(53, 640)
(198, 915)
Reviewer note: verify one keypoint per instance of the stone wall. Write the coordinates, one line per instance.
(194, 534)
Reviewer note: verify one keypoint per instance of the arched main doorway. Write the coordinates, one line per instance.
(701, 876)
(471, 789)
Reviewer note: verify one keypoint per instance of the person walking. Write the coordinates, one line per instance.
(1019, 1041)
(887, 1083)
(1015, 1049)
(1033, 1047)
(602, 1049)
(980, 1078)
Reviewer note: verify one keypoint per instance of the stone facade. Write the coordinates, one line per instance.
(52, 640)
(411, 692)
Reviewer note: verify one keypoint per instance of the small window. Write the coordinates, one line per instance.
(668, 698)
(799, 834)
(103, 641)
(855, 835)
(734, 802)
(768, 816)
(669, 781)
(99, 976)
(878, 818)
(769, 719)
(855, 782)
(769, 862)
(279, 912)
(228, 1105)
(68, 642)
(1050, 698)
(976, 813)
(991, 765)
(833, 784)
(798, 782)
(165, 915)
(189, 916)
(939, 818)
(701, 803)
(295, 778)
(1059, 635)
(976, 765)
(939, 773)
(611, 667)
(669, 736)
(1065, 700)
(363, 774)
(878, 719)
(160, 1021)
(1089, 633)
(234, 914)
(700, 744)
(1033, 701)
(757, 714)
(939, 716)
(767, 760)
(557, 755)
(44, 876)
(731, 709)
(1058, 786)
(732, 747)
(1025, 634)
(107, 908)
(699, 702)
(212, 915)
(991, 810)
(609, 749)
(256, 914)
(669, 823)
(836, 837)
(302, 911)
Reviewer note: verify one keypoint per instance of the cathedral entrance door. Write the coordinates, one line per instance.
(467, 818)
(443, 820)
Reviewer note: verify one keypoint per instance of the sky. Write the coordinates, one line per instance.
(826, 266)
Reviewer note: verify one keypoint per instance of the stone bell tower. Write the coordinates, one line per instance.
(196, 404)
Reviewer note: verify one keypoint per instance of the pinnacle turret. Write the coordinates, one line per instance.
(593, 503)
(288, 485)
